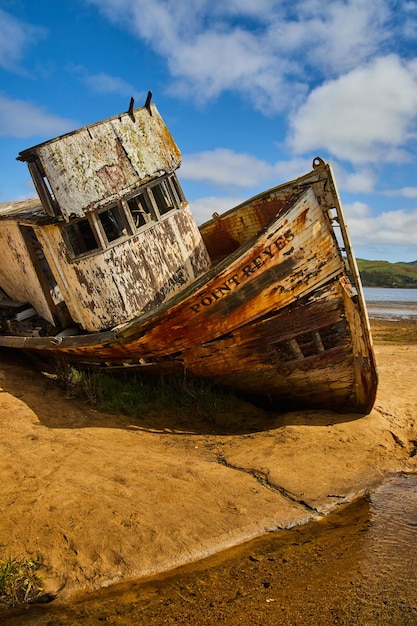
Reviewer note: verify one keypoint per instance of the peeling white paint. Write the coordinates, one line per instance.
(113, 285)
(96, 164)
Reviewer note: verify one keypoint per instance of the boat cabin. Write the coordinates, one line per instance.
(111, 235)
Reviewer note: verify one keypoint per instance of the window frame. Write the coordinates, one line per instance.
(121, 221)
(168, 186)
(151, 216)
(43, 186)
(69, 238)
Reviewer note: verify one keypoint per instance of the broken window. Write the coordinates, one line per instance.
(167, 195)
(81, 237)
(113, 223)
(176, 188)
(156, 200)
(140, 209)
(162, 198)
(106, 226)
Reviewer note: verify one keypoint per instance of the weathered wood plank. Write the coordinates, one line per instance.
(104, 161)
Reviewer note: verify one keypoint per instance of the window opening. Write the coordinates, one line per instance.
(173, 180)
(43, 187)
(113, 223)
(140, 210)
(162, 198)
(94, 233)
(81, 237)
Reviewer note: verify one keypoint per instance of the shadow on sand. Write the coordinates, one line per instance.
(23, 378)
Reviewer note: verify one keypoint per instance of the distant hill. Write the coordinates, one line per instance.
(385, 274)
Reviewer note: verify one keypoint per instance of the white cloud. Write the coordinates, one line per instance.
(285, 171)
(361, 181)
(19, 118)
(409, 192)
(357, 210)
(366, 115)
(216, 61)
(391, 227)
(273, 54)
(267, 51)
(15, 37)
(105, 83)
(334, 36)
(225, 167)
(249, 8)
(404, 192)
(204, 208)
(410, 20)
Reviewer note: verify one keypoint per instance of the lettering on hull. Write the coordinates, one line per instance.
(245, 273)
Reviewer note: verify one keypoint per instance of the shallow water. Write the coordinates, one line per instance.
(356, 566)
(391, 304)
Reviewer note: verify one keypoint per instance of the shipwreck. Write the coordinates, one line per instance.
(107, 268)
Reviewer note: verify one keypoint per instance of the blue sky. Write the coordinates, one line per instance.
(252, 91)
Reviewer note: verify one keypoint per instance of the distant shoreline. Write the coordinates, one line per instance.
(388, 275)
(412, 287)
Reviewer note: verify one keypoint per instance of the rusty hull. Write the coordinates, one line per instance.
(276, 317)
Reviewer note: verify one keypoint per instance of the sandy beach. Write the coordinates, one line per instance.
(100, 498)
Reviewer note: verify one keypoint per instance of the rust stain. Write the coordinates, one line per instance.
(112, 177)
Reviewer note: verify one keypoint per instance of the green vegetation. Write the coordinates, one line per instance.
(385, 274)
(134, 394)
(19, 581)
(394, 332)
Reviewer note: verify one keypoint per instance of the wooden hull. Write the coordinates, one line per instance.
(276, 317)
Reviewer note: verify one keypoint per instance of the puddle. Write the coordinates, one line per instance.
(388, 568)
(356, 566)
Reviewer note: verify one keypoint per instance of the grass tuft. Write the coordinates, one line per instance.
(394, 332)
(19, 581)
(134, 394)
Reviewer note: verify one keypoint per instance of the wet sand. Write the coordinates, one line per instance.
(356, 566)
(267, 582)
(100, 498)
